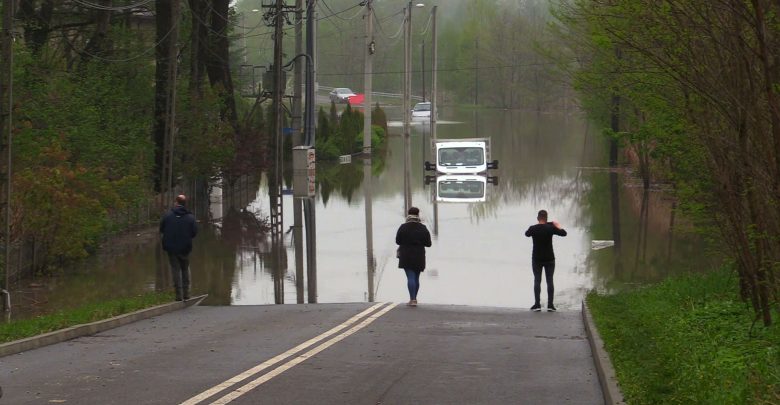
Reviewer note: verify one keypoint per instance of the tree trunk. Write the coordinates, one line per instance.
(218, 65)
(161, 75)
(198, 45)
(37, 24)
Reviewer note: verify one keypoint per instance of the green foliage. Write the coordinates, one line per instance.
(62, 205)
(21, 329)
(205, 143)
(689, 340)
(378, 117)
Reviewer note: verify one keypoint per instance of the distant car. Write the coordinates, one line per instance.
(422, 111)
(341, 95)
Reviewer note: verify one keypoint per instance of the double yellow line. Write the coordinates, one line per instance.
(230, 396)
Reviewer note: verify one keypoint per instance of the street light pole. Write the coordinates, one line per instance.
(434, 76)
(407, 106)
(422, 47)
(368, 52)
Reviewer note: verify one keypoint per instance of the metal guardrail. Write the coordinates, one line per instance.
(376, 93)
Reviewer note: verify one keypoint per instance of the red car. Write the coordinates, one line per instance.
(357, 99)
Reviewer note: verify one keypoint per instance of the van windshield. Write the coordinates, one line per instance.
(461, 189)
(466, 156)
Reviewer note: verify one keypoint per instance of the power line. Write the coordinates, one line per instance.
(150, 49)
(318, 19)
(110, 8)
(451, 69)
(362, 3)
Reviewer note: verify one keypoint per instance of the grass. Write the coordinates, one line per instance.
(24, 328)
(689, 340)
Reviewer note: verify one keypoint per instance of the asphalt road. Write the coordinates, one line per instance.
(317, 354)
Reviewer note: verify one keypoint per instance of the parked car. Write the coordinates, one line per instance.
(422, 111)
(341, 95)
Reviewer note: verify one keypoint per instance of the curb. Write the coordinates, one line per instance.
(34, 342)
(607, 379)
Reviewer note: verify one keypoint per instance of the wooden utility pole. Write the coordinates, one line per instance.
(297, 112)
(170, 122)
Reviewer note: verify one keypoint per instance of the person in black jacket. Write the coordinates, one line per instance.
(412, 238)
(178, 228)
(543, 257)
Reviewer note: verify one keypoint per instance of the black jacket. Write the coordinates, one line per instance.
(412, 238)
(542, 234)
(178, 227)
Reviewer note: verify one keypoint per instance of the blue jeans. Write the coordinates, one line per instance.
(413, 282)
(549, 269)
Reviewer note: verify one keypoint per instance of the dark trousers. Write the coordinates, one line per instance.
(412, 282)
(180, 270)
(549, 269)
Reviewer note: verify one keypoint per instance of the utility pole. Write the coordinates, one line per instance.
(6, 101)
(173, 53)
(476, 72)
(297, 76)
(368, 52)
(367, 189)
(297, 141)
(422, 47)
(309, 206)
(434, 77)
(310, 72)
(434, 110)
(407, 106)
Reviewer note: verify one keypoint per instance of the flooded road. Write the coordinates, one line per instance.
(479, 256)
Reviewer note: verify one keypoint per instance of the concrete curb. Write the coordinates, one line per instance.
(609, 386)
(34, 342)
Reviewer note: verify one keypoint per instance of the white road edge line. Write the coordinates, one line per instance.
(300, 359)
(272, 361)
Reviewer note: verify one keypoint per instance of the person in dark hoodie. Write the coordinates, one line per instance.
(178, 228)
(412, 238)
(543, 257)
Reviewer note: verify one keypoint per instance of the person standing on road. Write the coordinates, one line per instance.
(178, 228)
(543, 257)
(412, 238)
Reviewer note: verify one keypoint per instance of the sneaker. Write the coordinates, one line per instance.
(536, 308)
(413, 303)
(551, 308)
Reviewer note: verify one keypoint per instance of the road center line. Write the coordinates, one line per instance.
(272, 361)
(300, 359)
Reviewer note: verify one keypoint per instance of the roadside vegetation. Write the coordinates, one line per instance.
(20, 329)
(690, 90)
(690, 93)
(689, 340)
(96, 99)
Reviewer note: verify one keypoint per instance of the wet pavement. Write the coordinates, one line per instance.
(317, 354)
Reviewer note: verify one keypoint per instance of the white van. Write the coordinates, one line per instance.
(462, 156)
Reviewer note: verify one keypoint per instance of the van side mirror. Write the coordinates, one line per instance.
(493, 165)
(493, 180)
(429, 166)
(430, 179)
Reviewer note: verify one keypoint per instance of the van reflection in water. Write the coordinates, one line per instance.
(461, 188)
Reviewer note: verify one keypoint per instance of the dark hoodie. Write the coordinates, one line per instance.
(178, 227)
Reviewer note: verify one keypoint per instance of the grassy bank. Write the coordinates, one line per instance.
(20, 329)
(689, 340)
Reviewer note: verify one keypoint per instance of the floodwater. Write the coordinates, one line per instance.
(479, 256)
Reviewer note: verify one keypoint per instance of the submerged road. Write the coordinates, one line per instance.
(317, 354)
